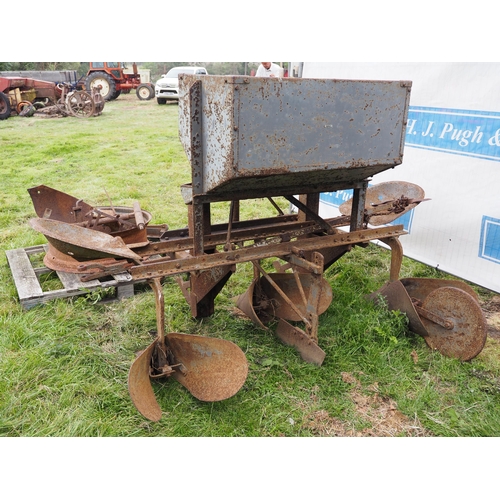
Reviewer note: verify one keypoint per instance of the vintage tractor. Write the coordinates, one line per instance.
(262, 138)
(25, 96)
(115, 78)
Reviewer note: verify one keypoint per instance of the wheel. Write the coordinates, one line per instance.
(143, 92)
(98, 103)
(161, 100)
(5, 108)
(465, 336)
(28, 110)
(21, 105)
(108, 85)
(80, 104)
(115, 95)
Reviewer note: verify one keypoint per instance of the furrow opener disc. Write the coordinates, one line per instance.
(467, 337)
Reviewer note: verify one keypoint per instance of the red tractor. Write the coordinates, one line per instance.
(115, 78)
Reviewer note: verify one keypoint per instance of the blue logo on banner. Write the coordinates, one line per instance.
(336, 198)
(489, 245)
(469, 133)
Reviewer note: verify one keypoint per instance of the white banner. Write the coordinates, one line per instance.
(452, 151)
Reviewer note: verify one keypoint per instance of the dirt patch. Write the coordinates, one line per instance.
(491, 310)
(381, 414)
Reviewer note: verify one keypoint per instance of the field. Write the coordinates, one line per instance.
(64, 364)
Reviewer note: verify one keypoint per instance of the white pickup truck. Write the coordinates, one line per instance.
(167, 87)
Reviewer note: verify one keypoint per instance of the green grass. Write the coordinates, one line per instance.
(64, 364)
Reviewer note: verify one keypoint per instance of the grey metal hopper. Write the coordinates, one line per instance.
(249, 137)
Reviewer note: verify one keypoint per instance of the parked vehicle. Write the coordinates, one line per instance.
(115, 78)
(167, 87)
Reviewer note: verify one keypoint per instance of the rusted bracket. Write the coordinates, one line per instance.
(296, 258)
(435, 318)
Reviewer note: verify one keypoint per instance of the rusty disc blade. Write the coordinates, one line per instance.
(82, 243)
(467, 337)
(308, 349)
(139, 385)
(420, 288)
(215, 368)
(281, 308)
(398, 299)
(383, 192)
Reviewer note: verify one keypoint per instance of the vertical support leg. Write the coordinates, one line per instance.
(396, 256)
(204, 286)
(199, 225)
(311, 201)
(235, 210)
(358, 207)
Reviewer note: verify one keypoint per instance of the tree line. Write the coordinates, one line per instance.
(157, 68)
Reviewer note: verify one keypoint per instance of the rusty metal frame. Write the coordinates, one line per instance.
(183, 263)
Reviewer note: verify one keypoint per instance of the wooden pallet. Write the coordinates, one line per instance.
(29, 289)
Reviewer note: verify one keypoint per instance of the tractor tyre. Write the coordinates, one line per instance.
(107, 84)
(5, 108)
(28, 110)
(21, 105)
(143, 92)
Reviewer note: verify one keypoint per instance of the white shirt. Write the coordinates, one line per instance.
(274, 69)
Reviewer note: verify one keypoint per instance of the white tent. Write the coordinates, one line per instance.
(452, 150)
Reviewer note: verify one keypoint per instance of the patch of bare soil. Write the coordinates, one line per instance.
(381, 414)
(491, 310)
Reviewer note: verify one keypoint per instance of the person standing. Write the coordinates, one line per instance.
(269, 69)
